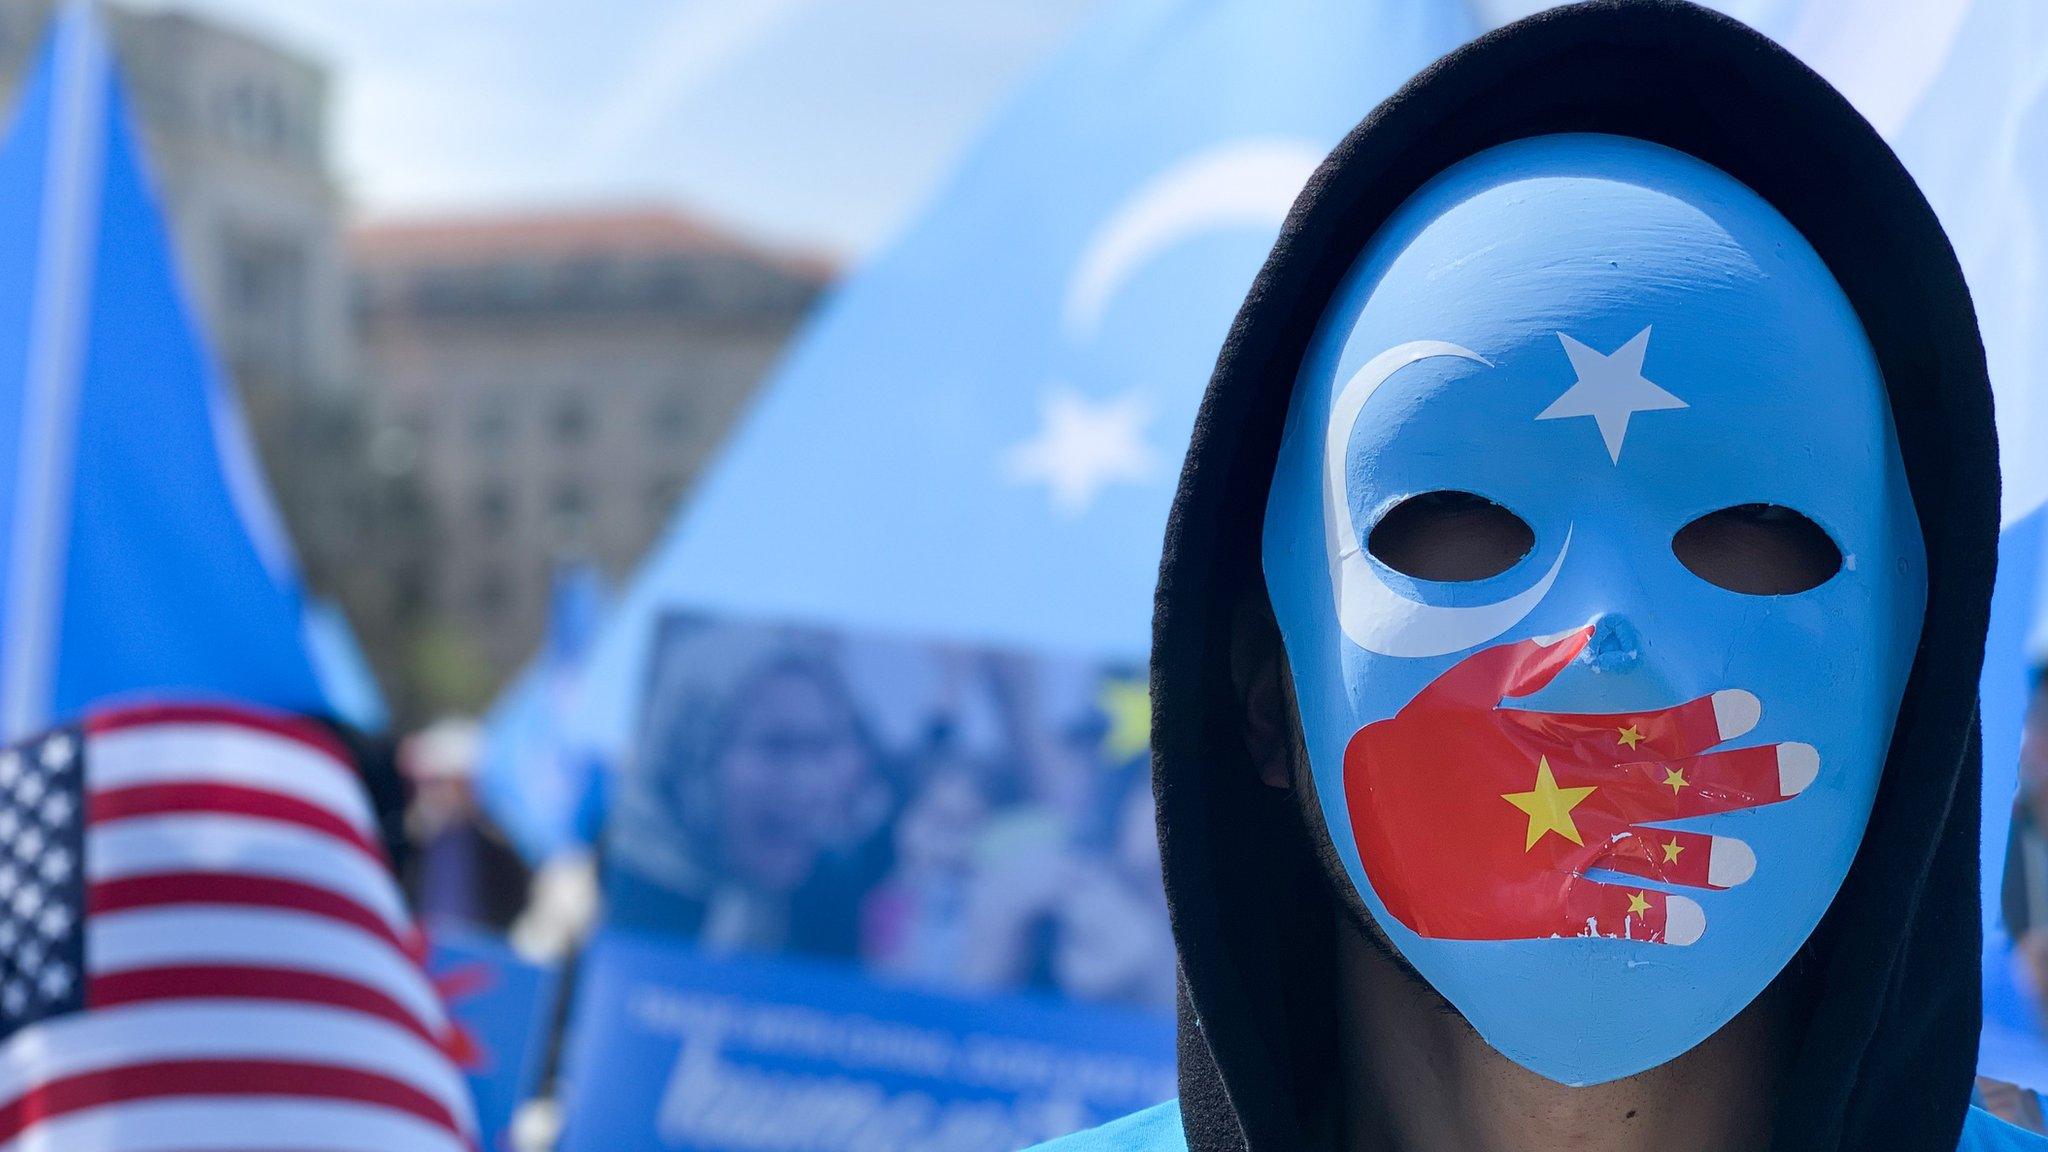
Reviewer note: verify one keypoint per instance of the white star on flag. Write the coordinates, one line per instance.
(1082, 447)
(269, 985)
(1610, 389)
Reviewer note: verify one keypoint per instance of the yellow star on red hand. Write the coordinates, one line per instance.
(1548, 806)
(1630, 736)
(1675, 777)
(1671, 850)
(1638, 904)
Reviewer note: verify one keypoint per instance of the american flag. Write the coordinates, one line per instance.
(202, 948)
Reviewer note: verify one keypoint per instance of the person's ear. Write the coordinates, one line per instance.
(1264, 690)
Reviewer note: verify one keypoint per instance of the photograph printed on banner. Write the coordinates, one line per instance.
(956, 818)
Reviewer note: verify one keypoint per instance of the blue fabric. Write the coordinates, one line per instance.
(1960, 91)
(1158, 1129)
(1983, 1132)
(2012, 1046)
(670, 1047)
(345, 673)
(535, 784)
(504, 1004)
(977, 437)
(163, 565)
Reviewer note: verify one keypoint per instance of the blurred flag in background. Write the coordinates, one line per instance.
(345, 674)
(139, 550)
(1960, 90)
(978, 438)
(530, 779)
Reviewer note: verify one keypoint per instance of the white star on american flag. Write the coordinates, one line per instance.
(57, 808)
(55, 981)
(55, 921)
(57, 752)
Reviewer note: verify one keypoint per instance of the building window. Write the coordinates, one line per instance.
(571, 421)
(419, 425)
(668, 420)
(493, 593)
(494, 508)
(662, 494)
(409, 598)
(408, 509)
(253, 115)
(490, 426)
(570, 506)
(266, 287)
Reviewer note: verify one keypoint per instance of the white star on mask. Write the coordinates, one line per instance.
(1610, 389)
(1083, 447)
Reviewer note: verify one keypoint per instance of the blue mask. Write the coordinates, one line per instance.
(1596, 799)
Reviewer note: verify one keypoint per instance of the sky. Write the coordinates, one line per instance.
(819, 124)
(815, 123)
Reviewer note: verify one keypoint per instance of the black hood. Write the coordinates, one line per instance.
(1886, 1059)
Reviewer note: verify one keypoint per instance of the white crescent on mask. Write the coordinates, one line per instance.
(1374, 616)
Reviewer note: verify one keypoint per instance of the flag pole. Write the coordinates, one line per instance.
(60, 303)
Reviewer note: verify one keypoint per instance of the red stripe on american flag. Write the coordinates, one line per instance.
(239, 1078)
(225, 800)
(277, 724)
(257, 1028)
(244, 982)
(237, 890)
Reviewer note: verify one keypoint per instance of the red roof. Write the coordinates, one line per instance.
(631, 231)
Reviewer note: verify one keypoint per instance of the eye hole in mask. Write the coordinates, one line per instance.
(1758, 550)
(1450, 536)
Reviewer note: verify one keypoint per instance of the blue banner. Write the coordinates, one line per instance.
(962, 819)
(671, 1049)
(501, 1005)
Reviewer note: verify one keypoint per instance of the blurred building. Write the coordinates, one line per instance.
(237, 136)
(544, 388)
(235, 130)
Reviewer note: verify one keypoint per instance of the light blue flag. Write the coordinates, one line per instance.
(345, 674)
(139, 551)
(978, 438)
(533, 781)
(1960, 90)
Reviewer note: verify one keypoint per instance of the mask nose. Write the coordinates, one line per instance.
(1615, 645)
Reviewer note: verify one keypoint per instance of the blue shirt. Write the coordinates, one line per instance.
(1157, 1129)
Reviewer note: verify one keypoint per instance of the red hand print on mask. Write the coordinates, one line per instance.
(1479, 822)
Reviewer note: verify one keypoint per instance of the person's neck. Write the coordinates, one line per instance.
(1417, 1078)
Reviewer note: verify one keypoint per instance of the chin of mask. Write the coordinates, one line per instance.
(1599, 578)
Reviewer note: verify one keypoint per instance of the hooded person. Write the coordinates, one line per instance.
(1566, 643)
